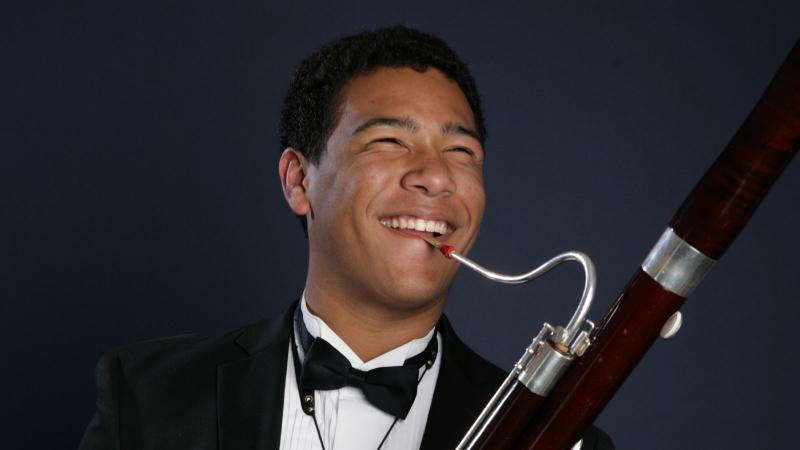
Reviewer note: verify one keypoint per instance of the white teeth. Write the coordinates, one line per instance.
(413, 223)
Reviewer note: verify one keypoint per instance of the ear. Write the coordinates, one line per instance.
(292, 170)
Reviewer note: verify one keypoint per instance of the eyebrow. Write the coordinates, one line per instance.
(409, 124)
(405, 123)
(455, 128)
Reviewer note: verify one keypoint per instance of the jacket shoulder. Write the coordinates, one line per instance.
(165, 390)
(167, 353)
(179, 362)
(475, 367)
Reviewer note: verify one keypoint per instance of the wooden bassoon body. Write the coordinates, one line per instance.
(700, 232)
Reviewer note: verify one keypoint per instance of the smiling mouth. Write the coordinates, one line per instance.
(417, 225)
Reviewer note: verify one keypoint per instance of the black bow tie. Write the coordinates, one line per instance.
(390, 389)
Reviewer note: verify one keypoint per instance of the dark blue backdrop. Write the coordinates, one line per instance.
(140, 199)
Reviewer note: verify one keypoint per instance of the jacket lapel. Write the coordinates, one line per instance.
(464, 386)
(250, 390)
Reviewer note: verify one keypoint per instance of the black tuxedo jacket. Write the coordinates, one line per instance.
(226, 393)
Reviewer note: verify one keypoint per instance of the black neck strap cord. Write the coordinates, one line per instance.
(428, 356)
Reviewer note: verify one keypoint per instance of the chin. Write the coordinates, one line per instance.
(410, 304)
(416, 293)
(415, 285)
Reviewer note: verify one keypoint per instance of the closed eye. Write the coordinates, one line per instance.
(463, 150)
(385, 144)
(389, 140)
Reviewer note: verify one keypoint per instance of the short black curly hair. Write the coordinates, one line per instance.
(310, 109)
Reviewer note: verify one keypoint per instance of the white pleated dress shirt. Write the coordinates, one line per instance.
(346, 420)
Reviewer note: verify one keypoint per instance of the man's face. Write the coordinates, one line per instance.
(404, 155)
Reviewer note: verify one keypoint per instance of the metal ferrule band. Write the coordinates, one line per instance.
(544, 369)
(675, 265)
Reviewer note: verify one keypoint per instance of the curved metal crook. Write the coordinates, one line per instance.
(590, 281)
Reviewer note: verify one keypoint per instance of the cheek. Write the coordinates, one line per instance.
(474, 194)
(353, 189)
(371, 177)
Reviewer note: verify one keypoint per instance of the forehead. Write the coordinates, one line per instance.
(404, 92)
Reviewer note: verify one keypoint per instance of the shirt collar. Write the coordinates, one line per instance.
(395, 357)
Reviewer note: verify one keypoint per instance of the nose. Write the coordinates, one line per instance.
(430, 175)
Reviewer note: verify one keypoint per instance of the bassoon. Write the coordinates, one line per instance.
(568, 374)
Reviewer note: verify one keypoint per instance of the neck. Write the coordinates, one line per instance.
(369, 327)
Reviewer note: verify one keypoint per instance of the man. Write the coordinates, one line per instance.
(383, 137)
